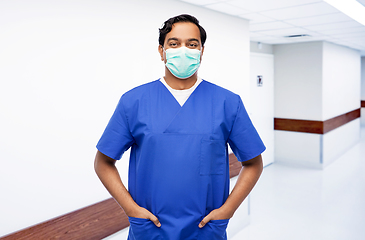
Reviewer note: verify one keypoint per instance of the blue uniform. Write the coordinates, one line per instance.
(179, 168)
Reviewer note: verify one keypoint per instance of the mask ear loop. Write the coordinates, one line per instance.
(164, 51)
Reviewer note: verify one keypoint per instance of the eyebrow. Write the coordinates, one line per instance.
(176, 39)
(193, 39)
(172, 39)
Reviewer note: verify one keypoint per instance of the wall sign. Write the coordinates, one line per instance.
(259, 81)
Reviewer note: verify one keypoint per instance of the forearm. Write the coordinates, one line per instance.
(109, 176)
(246, 180)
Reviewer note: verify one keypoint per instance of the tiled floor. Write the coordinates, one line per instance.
(296, 203)
(303, 204)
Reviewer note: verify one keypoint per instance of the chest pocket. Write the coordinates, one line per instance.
(212, 157)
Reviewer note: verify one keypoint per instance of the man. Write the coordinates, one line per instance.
(178, 128)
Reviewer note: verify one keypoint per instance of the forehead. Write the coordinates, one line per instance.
(184, 31)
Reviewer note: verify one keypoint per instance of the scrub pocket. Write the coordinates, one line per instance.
(143, 229)
(212, 157)
(214, 230)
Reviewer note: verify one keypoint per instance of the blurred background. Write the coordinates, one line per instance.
(299, 67)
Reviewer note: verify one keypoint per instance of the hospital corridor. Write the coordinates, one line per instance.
(125, 117)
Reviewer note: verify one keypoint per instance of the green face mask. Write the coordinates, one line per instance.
(182, 62)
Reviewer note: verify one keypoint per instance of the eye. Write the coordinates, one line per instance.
(193, 45)
(173, 44)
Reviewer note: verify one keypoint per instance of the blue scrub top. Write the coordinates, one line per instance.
(179, 168)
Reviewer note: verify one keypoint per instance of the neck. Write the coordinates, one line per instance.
(180, 84)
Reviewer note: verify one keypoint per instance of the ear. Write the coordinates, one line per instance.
(160, 50)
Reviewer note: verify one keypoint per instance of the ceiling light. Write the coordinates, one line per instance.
(351, 8)
(298, 36)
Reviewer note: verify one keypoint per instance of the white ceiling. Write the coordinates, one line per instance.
(272, 20)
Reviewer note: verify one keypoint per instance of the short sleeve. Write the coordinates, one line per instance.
(117, 137)
(244, 140)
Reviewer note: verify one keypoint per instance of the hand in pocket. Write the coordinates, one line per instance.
(145, 214)
(216, 214)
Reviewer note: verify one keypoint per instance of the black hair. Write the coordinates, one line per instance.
(167, 26)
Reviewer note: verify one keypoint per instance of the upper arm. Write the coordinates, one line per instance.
(101, 158)
(254, 161)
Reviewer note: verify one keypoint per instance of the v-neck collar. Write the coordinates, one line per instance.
(169, 89)
(167, 116)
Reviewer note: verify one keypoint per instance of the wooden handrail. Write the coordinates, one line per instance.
(318, 127)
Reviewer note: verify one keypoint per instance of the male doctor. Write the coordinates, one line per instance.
(178, 128)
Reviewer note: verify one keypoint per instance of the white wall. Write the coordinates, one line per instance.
(262, 101)
(298, 80)
(298, 149)
(363, 90)
(340, 140)
(63, 67)
(341, 80)
(315, 81)
(363, 78)
(341, 84)
(315, 150)
(255, 47)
